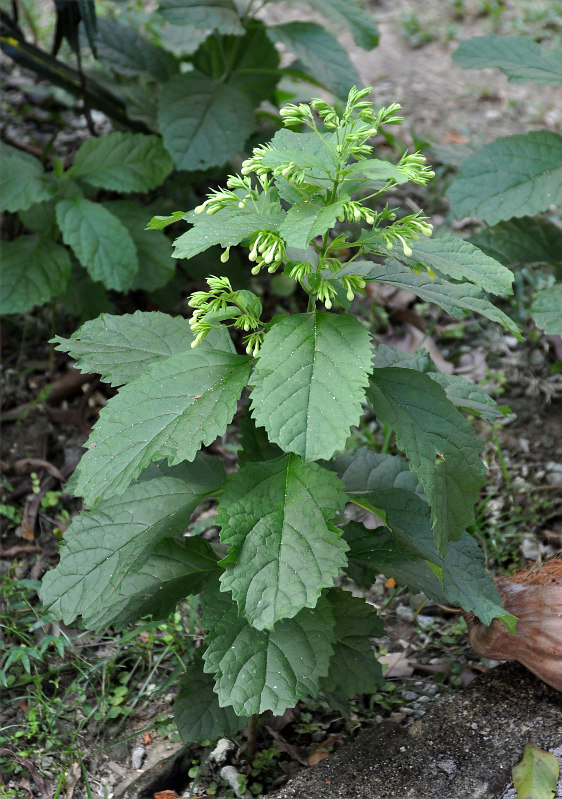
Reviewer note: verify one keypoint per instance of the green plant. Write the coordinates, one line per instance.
(511, 182)
(277, 630)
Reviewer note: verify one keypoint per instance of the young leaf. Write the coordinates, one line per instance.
(536, 775)
(512, 176)
(197, 712)
(308, 219)
(100, 242)
(126, 51)
(320, 53)
(275, 516)
(123, 162)
(176, 405)
(309, 382)
(23, 181)
(546, 310)
(350, 13)
(33, 270)
(219, 15)
(203, 122)
(527, 240)
(353, 667)
(440, 445)
(257, 670)
(104, 545)
(519, 57)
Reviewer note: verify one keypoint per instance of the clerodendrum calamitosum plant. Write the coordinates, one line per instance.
(277, 628)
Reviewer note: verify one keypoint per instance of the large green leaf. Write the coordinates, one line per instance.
(351, 14)
(461, 260)
(512, 176)
(314, 155)
(129, 53)
(307, 219)
(104, 545)
(310, 381)
(519, 57)
(439, 443)
(203, 122)
(275, 516)
(33, 271)
(100, 242)
(176, 405)
(154, 249)
(526, 240)
(23, 181)
(257, 670)
(456, 299)
(320, 53)
(353, 667)
(123, 162)
(197, 712)
(547, 309)
(227, 228)
(219, 15)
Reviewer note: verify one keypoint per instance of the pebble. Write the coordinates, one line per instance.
(137, 757)
(530, 548)
(405, 613)
(554, 479)
(230, 775)
(221, 750)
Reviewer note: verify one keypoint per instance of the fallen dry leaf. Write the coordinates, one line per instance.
(166, 795)
(398, 665)
(322, 751)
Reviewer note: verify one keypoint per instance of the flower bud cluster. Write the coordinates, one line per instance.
(406, 230)
(296, 114)
(414, 166)
(353, 211)
(326, 292)
(352, 283)
(255, 162)
(217, 200)
(242, 306)
(299, 271)
(267, 249)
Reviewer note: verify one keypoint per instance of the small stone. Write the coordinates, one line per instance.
(137, 757)
(221, 750)
(405, 613)
(530, 548)
(424, 621)
(230, 775)
(554, 479)
(447, 765)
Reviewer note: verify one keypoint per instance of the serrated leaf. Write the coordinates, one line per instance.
(457, 299)
(103, 545)
(219, 15)
(154, 248)
(320, 53)
(351, 14)
(518, 57)
(461, 260)
(40, 218)
(197, 712)
(309, 382)
(526, 240)
(353, 667)
(546, 310)
(123, 162)
(160, 222)
(176, 405)
(275, 517)
(226, 227)
(173, 570)
(203, 122)
(23, 181)
(257, 670)
(129, 53)
(365, 470)
(33, 271)
(308, 219)
(536, 775)
(100, 241)
(512, 176)
(374, 169)
(439, 444)
(254, 443)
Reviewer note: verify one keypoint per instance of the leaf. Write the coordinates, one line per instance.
(526, 240)
(160, 222)
(308, 219)
(23, 181)
(374, 169)
(103, 545)
(176, 405)
(350, 13)
(100, 242)
(203, 122)
(321, 54)
(219, 15)
(309, 382)
(40, 218)
(197, 712)
(353, 667)
(365, 470)
(457, 299)
(512, 176)
(172, 571)
(461, 260)
(519, 57)
(122, 162)
(33, 271)
(257, 670)
(546, 310)
(275, 518)
(439, 444)
(536, 775)
(154, 251)
(315, 155)
(254, 443)
(129, 53)
(227, 228)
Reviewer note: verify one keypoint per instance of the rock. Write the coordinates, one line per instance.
(221, 750)
(464, 747)
(137, 757)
